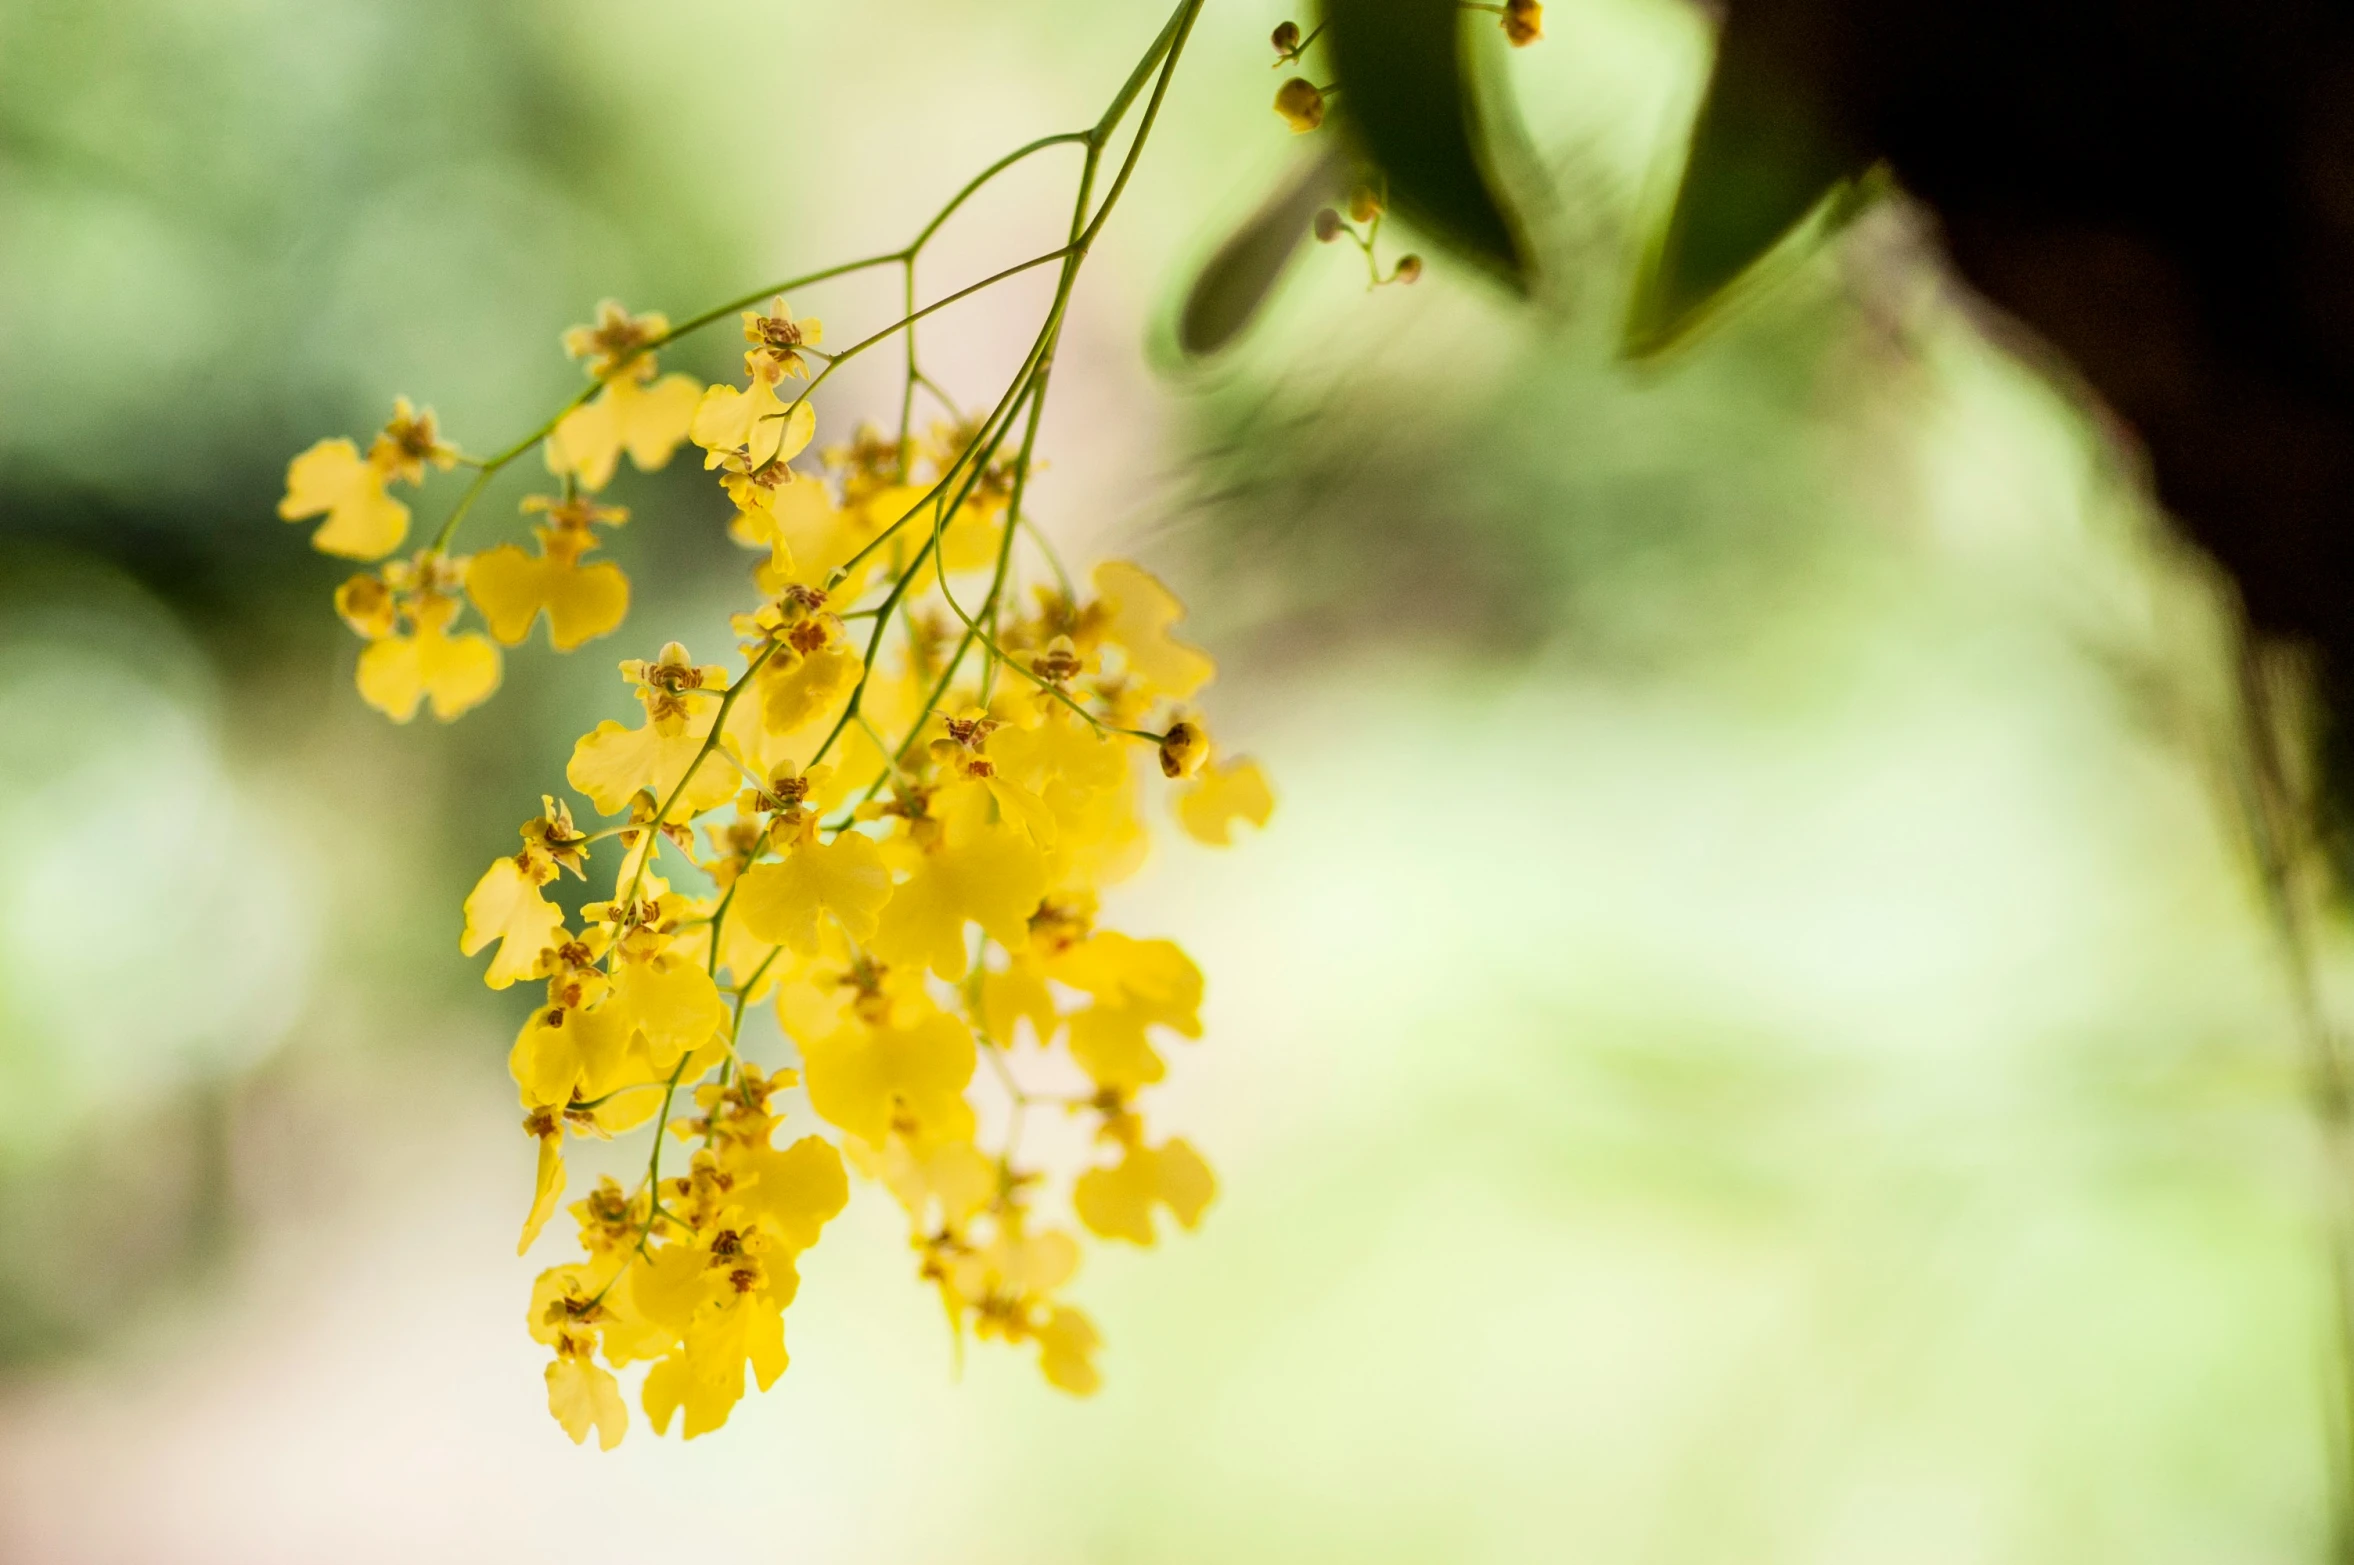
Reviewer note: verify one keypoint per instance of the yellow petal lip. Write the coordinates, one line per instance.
(547, 1188)
(514, 589)
(1118, 1202)
(459, 672)
(506, 906)
(584, 1396)
(333, 480)
(1219, 796)
(781, 903)
(649, 422)
(867, 1079)
(1141, 611)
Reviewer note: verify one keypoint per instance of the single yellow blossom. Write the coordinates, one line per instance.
(777, 340)
(616, 340)
(408, 442)
(750, 428)
(512, 589)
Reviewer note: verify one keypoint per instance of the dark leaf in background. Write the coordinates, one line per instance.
(1407, 102)
(1246, 268)
(2161, 192)
(1766, 153)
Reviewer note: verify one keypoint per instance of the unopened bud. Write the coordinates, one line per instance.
(1286, 39)
(1409, 268)
(1524, 22)
(1183, 749)
(1327, 226)
(366, 605)
(1364, 205)
(1301, 103)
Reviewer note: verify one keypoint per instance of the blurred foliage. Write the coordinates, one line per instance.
(1416, 107)
(225, 231)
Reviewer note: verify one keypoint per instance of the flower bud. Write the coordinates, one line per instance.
(1409, 268)
(1183, 749)
(1364, 205)
(366, 605)
(1301, 103)
(1524, 22)
(1286, 39)
(1327, 226)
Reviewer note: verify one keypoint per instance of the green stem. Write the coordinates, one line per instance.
(973, 630)
(758, 296)
(727, 701)
(907, 391)
(873, 645)
(489, 469)
(718, 925)
(974, 184)
(654, 1162)
(1180, 28)
(1163, 53)
(907, 321)
(1054, 561)
(1292, 56)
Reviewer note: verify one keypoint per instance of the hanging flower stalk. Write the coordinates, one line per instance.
(887, 816)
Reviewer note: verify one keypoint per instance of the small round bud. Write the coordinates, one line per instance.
(1409, 268)
(1327, 226)
(1286, 39)
(367, 606)
(1183, 749)
(1364, 205)
(1301, 104)
(1524, 22)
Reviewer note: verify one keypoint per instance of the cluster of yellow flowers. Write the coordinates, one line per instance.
(899, 846)
(895, 840)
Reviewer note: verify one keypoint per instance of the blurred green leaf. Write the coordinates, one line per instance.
(1766, 153)
(1409, 101)
(1244, 271)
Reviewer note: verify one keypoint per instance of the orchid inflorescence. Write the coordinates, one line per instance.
(889, 817)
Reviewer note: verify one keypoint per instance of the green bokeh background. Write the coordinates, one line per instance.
(1749, 1037)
